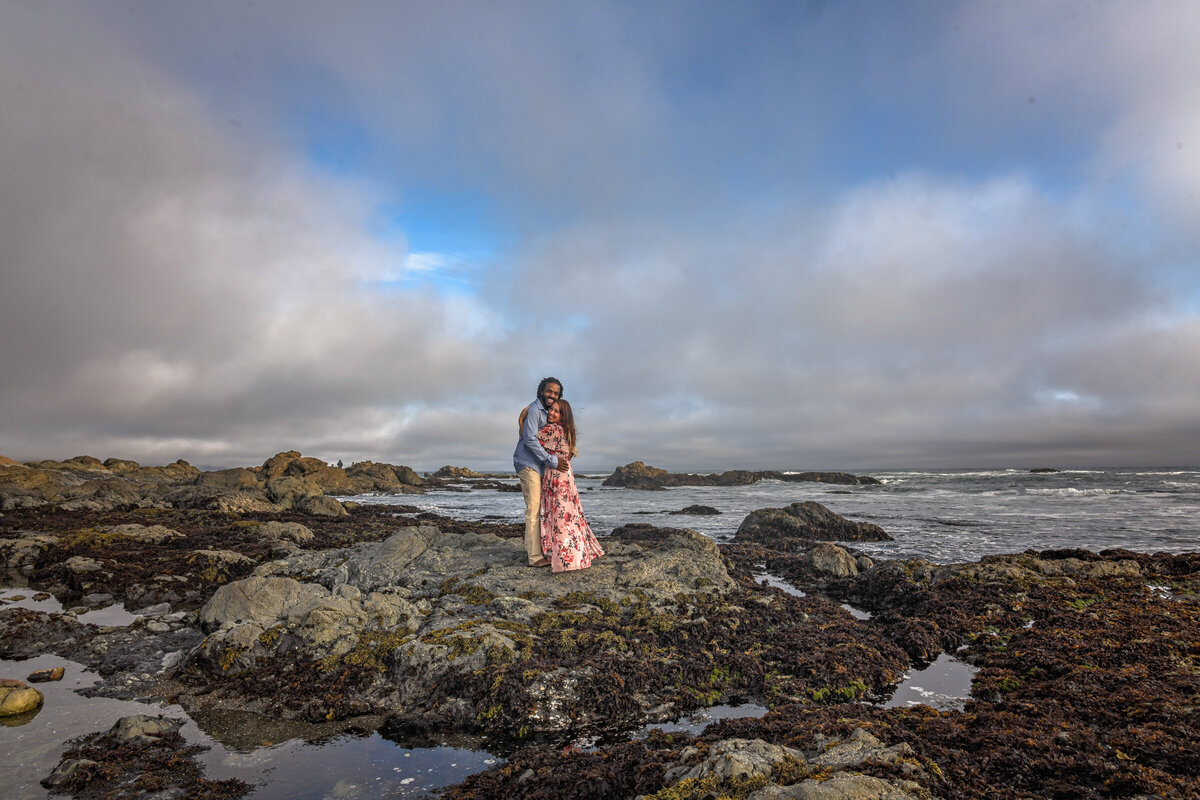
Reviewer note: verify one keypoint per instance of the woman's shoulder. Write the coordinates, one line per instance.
(551, 427)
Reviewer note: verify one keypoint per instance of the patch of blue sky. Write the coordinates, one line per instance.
(439, 228)
(447, 245)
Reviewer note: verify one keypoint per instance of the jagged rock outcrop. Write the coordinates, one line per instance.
(637, 475)
(800, 523)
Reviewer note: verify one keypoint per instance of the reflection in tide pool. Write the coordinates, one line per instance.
(109, 616)
(697, 722)
(332, 767)
(345, 766)
(945, 685)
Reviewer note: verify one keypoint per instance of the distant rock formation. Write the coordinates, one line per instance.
(287, 481)
(638, 475)
(456, 472)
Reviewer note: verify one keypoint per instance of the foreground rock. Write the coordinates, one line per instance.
(637, 475)
(454, 629)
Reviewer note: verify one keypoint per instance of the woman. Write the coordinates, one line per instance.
(566, 537)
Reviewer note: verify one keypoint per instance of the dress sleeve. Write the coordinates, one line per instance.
(551, 437)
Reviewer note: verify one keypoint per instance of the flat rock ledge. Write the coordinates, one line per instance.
(407, 626)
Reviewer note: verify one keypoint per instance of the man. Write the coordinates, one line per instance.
(530, 459)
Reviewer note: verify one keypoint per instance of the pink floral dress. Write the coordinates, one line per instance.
(566, 537)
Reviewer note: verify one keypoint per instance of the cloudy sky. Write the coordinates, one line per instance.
(844, 235)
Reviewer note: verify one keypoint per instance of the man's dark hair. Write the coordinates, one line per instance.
(542, 386)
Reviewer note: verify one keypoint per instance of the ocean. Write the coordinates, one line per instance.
(945, 517)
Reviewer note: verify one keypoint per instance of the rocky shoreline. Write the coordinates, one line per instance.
(387, 617)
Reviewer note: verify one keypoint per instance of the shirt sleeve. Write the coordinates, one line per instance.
(529, 435)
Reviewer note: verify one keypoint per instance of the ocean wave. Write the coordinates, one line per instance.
(1068, 491)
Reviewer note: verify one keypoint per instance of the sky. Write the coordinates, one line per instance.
(762, 235)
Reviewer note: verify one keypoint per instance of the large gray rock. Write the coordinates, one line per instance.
(258, 599)
(423, 603)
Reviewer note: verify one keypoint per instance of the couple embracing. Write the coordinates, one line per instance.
(556, 533)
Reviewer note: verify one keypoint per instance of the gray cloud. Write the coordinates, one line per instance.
(692, 251)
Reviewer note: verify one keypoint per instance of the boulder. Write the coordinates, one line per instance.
(288, 491)
(142, 729)
(698, 510)
(121, 465)
(46, 675)
(276, 465)
(18, 697)
(321, 506)
(832, 560)
(367, 476)
(236, 479)
(809, 521)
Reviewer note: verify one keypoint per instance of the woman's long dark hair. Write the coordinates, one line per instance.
(568, 423)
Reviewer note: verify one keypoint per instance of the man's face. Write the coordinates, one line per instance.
(550, 393)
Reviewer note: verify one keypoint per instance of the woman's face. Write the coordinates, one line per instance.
(554, 415)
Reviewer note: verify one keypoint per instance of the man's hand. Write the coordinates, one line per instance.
(564, 465)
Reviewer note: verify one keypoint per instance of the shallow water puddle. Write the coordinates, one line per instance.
(332, 767)
(30, 751)
(945, 685)
(110, 616)
(345, 766)
(774, 581)
(777, 582)
(696, 723)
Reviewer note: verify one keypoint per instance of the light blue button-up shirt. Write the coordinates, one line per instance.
(529, 452)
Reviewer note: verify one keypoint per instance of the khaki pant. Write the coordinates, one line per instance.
(531, 490)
